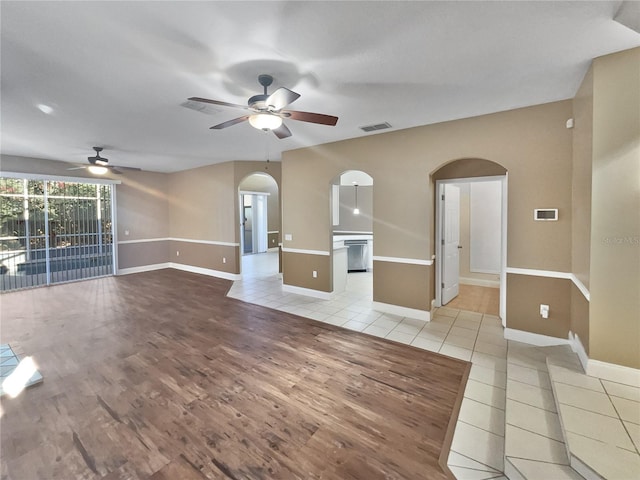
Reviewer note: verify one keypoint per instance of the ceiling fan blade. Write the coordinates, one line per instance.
(281, 98)
(217, 102)
(230, 123)
(120, 167)
(115, 170)
(310, 117)
(282, 131)
(79, 167)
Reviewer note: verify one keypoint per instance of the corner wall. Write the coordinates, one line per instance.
(143, 220)
(204, 216)
(581, 205)
(614, 326)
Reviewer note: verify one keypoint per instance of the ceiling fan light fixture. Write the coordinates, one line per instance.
(265, 121)
(97, 169)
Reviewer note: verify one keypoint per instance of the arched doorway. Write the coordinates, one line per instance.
(352, 232)
(259, 216)
(470, 235)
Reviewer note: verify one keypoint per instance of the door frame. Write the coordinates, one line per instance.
(503, 248)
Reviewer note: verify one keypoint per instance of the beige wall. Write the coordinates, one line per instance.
(402, 284)
(143, 206)
(143, 254)
(143, 213)
(614, 325)
(580, 316)
(201, 204)
(531, 291)
(531, 143)
(297, 270)
(222, 258)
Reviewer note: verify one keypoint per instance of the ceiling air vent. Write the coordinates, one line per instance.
(373, 128)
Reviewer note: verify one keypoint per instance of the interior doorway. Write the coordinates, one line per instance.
(259, 223)
(352, 232)
(471, 244)
(253, 222)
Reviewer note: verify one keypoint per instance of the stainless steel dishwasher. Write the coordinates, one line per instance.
(356, 255)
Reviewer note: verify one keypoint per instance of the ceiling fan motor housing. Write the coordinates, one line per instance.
(258, 101)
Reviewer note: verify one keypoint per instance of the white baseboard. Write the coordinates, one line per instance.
(583, 469)
(402, 311)
(578, 349)
(533, 338)
(309, 292)
(479, 282)
(613, 372)
(205, 271)
(143, 268)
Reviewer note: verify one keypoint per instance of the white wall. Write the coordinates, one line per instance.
(468, 274)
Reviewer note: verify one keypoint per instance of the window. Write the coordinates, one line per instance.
(54, 231)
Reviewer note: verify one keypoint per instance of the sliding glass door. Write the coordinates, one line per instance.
(53, 231)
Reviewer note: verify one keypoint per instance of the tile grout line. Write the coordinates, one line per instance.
(620, 418)
(535, 433)
(492, 469)
(480, 428)
(487, 404)
(600, 441)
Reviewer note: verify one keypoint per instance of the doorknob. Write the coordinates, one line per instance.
(459, 246)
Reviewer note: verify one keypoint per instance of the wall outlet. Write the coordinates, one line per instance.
(315, 274)
(288, 237)
(544, 311)
(126, 233)
(224, 259)
(273, 240)
(177, 253)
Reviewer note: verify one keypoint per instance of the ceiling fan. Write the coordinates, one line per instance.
(266, 112)
(100, 165)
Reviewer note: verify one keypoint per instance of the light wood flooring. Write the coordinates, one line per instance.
(160, 376)
(474, 298)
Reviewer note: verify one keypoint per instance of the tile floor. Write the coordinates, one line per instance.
(9, 361)
(601, 421)
(509, 394)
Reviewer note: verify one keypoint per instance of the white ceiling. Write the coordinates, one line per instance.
(116, 73)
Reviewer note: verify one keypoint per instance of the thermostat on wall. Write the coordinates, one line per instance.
(548, 214)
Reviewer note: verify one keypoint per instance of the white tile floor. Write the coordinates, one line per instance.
(601, 421)
(509, 393)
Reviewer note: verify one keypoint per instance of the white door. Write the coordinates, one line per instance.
(260, 224)
(450, 242)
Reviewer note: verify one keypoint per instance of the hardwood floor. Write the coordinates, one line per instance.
(477, 299)
(160, 376)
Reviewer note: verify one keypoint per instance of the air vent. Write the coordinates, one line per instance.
(373, 128)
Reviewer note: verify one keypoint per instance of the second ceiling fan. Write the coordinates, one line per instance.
(266, 112)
